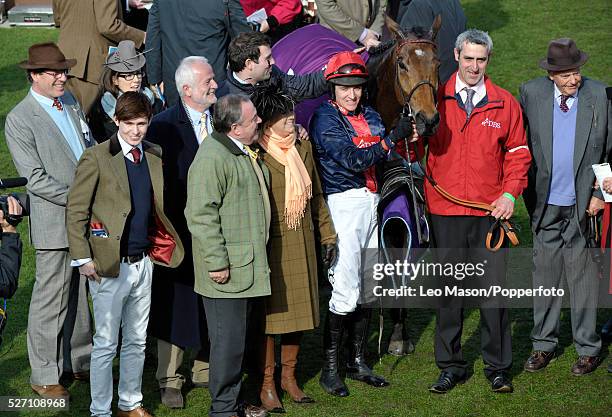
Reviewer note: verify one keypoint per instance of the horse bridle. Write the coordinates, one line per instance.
(407, 108)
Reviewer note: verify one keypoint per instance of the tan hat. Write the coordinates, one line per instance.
(47, 56)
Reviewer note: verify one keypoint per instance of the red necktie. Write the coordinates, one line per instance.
(57, 104)
(563, 106)
(136, 155)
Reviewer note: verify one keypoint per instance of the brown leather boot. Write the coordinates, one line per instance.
(290, 347)
(268, 396)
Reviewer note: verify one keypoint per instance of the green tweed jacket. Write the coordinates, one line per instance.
(226, 217)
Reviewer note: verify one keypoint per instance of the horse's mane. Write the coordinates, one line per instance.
(378, 54)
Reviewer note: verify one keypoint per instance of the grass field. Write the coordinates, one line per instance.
(520, 31)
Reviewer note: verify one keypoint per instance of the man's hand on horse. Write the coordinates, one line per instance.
(504, 207)
(371, 39)
(595, 206)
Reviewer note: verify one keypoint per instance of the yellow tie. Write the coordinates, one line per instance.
(203, 129)
(253, 154)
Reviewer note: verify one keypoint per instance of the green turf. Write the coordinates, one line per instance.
(520, 31)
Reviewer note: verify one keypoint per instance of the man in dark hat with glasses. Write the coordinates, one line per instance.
(569, 129)
(46, 134)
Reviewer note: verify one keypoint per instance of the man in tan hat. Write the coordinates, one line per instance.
(46, 134)
(87, 29)
(569, 128)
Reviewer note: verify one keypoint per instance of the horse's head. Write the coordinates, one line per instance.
(416, 73)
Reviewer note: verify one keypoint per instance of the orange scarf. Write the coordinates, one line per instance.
(298, 186)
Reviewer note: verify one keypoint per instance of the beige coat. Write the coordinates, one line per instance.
(294, 303)
(351, 17)
(87, 29)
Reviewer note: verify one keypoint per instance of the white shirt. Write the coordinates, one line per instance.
(479, 88)
(126, 148)
(240, 80)
(239, 144)
(570, 101)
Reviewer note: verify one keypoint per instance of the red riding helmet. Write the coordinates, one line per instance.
(346, 68)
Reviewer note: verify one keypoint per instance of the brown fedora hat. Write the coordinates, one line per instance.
(46, 56)
(563, 54)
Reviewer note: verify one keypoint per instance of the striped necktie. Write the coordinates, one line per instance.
(203, 128)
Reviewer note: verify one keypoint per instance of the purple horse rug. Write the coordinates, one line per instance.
(307, 50)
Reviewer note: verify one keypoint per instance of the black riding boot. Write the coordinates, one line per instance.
(356, 367)
(332, 337)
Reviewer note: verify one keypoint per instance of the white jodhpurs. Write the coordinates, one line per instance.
(354, 215)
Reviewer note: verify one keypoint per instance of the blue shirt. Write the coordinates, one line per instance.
(196, 121)
(63, 121)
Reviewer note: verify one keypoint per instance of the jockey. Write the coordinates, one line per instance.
(350, 141)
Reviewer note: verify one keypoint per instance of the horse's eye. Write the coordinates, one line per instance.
(402, 65)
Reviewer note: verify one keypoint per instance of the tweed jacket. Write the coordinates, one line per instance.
(226, 217)
(87, 29)
(100, 195)
(42, 155)
(351, 17)
(294, 303)
(592, 144)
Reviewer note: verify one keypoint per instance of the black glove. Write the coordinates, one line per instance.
(329, 256)
(402, 130)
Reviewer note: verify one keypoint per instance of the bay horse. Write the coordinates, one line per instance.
(404, 76)
(403, 83)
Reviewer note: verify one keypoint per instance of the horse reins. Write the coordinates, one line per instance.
(503, 228)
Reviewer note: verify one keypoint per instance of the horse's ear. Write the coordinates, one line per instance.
(435, 27)
(394, 28)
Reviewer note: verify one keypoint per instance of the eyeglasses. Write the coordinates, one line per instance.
(56, 74)
(130, 75)
(350, 69)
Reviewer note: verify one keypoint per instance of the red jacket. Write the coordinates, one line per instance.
(477, 159)
(283, 10)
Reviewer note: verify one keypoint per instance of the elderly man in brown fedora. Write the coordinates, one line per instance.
(569, 128)
(46, 134)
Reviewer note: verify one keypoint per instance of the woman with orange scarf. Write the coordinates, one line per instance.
(299, 218)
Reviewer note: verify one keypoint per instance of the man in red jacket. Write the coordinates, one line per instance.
(479, 153)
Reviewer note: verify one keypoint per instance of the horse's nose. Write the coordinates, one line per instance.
(427, 126)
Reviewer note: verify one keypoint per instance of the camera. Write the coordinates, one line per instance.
(22, 198)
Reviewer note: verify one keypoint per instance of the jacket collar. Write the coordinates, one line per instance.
(492, 92)
(227, 142)
(115, 147)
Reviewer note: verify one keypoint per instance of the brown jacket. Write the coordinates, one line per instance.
(294, 303)
(100, 196)
(87, 29)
